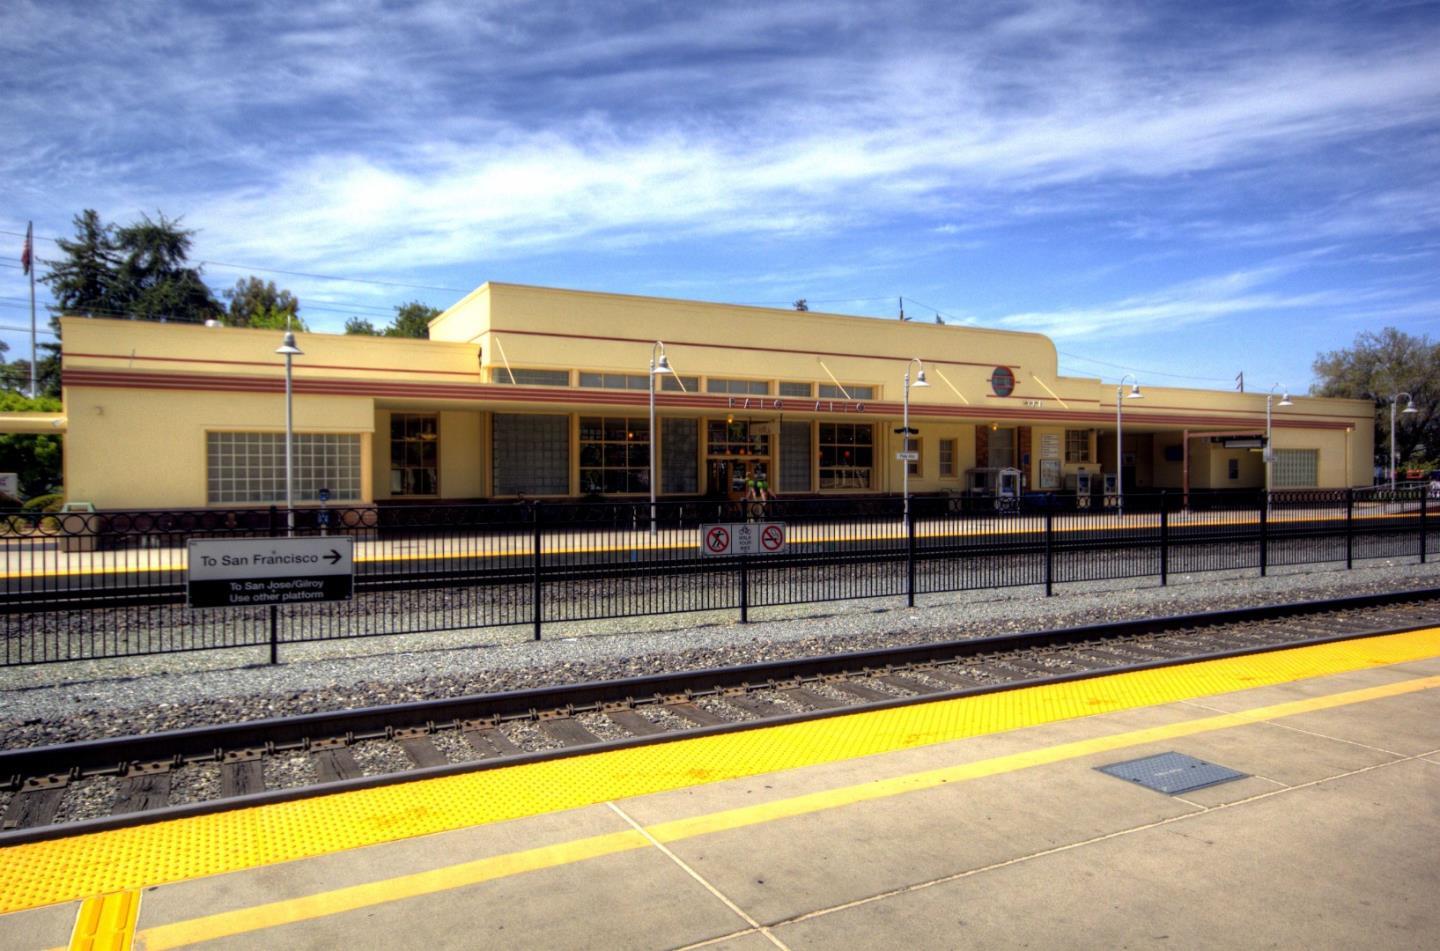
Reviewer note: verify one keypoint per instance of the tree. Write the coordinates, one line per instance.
(361, 327)
(1378, 367)
(412, 320)
(35, 458)
(86, 279)
(154, 279)
(257, 303)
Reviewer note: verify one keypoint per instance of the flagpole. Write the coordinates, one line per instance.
(30, 262)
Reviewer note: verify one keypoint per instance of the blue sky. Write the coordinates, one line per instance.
(1181, 191)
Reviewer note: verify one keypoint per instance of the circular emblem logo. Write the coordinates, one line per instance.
(1002, 381)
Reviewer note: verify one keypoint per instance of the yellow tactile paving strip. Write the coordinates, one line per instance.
(101, 863)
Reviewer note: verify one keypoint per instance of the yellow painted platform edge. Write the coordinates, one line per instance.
(44, 873)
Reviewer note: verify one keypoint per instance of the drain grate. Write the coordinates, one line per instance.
(1171, 773)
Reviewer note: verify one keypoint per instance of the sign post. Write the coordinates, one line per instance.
(250, 572)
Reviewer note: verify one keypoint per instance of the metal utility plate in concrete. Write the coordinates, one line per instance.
(1171, 773)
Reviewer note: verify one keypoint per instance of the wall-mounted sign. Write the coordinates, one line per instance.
(1002, 381)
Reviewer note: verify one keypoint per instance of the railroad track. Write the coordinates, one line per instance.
(65, 789)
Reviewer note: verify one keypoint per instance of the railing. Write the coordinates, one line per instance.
(82, 586)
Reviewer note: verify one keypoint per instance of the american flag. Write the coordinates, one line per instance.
(27, 253)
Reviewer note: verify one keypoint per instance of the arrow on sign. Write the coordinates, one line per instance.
(333, 557)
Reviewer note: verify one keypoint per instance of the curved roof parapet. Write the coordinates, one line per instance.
(49, 423)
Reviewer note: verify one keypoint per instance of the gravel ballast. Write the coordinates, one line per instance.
(75, 701)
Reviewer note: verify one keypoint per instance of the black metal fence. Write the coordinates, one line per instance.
(84, 586)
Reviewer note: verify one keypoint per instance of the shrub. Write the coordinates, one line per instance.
(45, 503)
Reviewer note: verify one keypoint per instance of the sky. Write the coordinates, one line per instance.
(1178, 191)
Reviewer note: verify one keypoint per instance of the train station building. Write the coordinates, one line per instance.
(542, 393)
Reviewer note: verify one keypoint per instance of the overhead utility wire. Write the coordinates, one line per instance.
(1119, 366)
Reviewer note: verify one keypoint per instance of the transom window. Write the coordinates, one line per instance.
(670, 383)
(614, 454)
(414, 453)
(742, 387)
(847, 455)
(615, 381)
(526, 376)
(250, 467)
(829, 391)
(736, 437)
(796, 389)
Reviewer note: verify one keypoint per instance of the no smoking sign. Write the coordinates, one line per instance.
(742, 538)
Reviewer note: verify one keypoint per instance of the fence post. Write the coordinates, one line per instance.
(1349, 529)
(1264, 532)
(910, 556)
(1424, 513)
(1049, 553)
(535, 587)
(274, 608)
(1164, 540)
(744, 589)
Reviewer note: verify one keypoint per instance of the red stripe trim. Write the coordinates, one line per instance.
(717, 404)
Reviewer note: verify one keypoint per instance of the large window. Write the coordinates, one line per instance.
(829, 391)
(614, 454)
(530, 454)
(736, 437)
(847, 455)
(524, 376)
(738, 387)
(1296, 469)
(250, 467)
(414, 453)
(1077, 445)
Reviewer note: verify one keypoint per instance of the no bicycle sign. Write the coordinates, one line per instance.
(742, 538)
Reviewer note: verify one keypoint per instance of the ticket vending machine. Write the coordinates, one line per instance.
(1083, 484)
(1007, 495)
(1112, 490)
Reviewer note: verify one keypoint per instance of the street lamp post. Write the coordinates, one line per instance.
(1269, 447)
(290, 351)
(1409, 410)
(658, 365)
(905, 425)
(1120, 397)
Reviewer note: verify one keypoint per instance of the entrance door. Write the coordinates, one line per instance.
(728, 477)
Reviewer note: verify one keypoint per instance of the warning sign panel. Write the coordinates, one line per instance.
(742, 538)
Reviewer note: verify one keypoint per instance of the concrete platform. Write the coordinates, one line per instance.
(1010, 838)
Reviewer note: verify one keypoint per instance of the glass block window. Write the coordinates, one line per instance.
(796, 389)
(738, 387)
(795, 467)
(521, 376)
(414, 453)
(1077, 445)
(670, 383)
(847, 455)
(829, 391)
(615, 381)
(250, 467)
(614, 455)
(1296, 469)
(530, 454)
(734, 438)
(946, 451)
(680, 456)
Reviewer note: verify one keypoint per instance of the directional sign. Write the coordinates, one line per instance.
(742, 538)
(245, 572)
(908, 456)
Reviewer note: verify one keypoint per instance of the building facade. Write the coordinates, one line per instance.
(541, 393)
